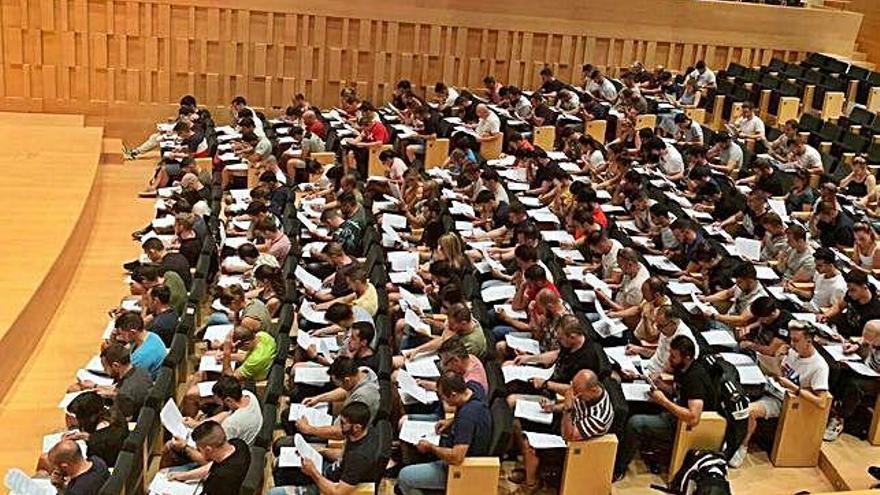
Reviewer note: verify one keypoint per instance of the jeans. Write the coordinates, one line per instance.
(428, 476)
(643, 428)
(501, 331)
(217, 318)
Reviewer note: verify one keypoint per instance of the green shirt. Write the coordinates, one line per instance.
(258, 311)
(178, 291)
(475, 341)
(258, 361)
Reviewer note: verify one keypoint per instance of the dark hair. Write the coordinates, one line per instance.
(338, 312)
(130, 320)
(248, 250)
(116, 353)
(268, 176)
(484, 197)
(364, 330)
(450, 382)
(526, 253)
(796, 232)
(208, 429)
(342, 367)
(763, 306)
(153, 244)
(188, 101)
(356, 413)
(227, 387)
(856, 277)
(824, 254)
(161, 293)
(386, 155)
(239, 100)
(535, 273)
(681, 118)
(547, 71)
(453, 347)
(684, 345)
(745, 270)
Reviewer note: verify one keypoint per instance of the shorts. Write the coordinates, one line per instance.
(772, 406)
(172, 169)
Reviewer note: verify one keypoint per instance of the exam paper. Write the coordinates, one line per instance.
(531, 410)
(413, 431)
(545, 440)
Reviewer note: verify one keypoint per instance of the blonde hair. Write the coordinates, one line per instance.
(453, 250)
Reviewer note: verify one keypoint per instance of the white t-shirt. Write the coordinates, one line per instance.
(609, 261)
(750, 126)
(245, 423)
(630, 291)
(488, 126)
(707, 78)
(596, 159)
(451, 96)
(828, 291)
(671, 162)
(661, 355)
(604, 90)
(396, 172)
(522, 108)
(810, 373)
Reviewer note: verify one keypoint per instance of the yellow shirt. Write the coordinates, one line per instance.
(369, 301)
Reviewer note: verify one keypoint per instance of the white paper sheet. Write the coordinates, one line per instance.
(721, 338)
(172, 420)
(311, 314)
(636, 391)
(529, 346)
(83, 375)
(316, 416)
(403, 261)
(545, 440)
(20, 483)
(217, 332)
(408, 385)
(424, 367)
(498, 293)
(862, 369)
(508, 309)
(309, 280)
(316, 375)
(558, 236)
(531, 410)
(306, 451)
(420, 301)
(748, 248)
(206, 389)
(525, 373)
(413, 431)
(394, 221)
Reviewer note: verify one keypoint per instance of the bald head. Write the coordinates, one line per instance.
(482, 110)
(547, 298)
(586, 386)
(309, 116)
(871, 332)
(189, 180)
(65, 453)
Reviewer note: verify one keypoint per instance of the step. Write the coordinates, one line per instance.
(42, 119)
(111, 151)
(845, 462)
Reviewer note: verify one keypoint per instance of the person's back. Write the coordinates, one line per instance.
(178, 264)
(245, 422)
(90, 481)
(150, 354)
(472, 422)
(225, 477)
(178, 291)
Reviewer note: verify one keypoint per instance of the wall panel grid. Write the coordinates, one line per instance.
(106, 51)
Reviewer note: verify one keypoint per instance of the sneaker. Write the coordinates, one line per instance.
(738, 457)
(834, 429)
(149, 193)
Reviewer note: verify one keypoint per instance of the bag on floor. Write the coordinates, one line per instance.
(704, 472)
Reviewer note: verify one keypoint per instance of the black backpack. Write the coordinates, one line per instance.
(704, 472)
(731, 401)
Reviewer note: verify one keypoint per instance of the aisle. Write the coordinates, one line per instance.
(30, 410)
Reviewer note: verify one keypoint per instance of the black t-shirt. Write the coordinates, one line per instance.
(432, 233)
(857, 315)
(771, 185)
(371, 361)
(588, 356)
(552, 86)
(340, 287)
(91, 481)
(695, 383)
(107, 442)
(191, 249)
(225, 477)
(544, 173)
(360, 461)
(176, 262)
(545, 112)
(721, 275)
(839, 233)
(501, 216)
(777, 329)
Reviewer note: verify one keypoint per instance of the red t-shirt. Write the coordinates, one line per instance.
(378, 132)
(531, 295)
(600, 218)
(317, 128)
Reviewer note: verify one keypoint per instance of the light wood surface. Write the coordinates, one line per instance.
(799, 433)
(49, 191)
(119, 59)
(29, 409)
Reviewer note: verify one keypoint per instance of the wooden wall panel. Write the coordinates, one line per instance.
(86, 55)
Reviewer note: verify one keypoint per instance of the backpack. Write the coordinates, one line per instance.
(731, 401)
(704, 472)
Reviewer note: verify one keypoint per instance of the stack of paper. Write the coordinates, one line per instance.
(498, 293)
(409, 388)
(403, 261)
(721, 338)
(217, 333)
(423, 367)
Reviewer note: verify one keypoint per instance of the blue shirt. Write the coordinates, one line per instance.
(150, 354)
(472, 425)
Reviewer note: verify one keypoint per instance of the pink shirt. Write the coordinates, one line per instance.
(476, 373)
(279, 247)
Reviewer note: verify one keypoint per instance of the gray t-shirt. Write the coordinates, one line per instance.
(732, 153)
(796, 262)
(245, 423)
(366, 391)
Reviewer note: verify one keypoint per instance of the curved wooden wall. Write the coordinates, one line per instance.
(100, 56)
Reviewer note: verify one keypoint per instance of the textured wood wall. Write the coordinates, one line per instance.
(87, 55)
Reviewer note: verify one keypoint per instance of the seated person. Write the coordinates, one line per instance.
(768, 336)
(459, 323)
(147, 349)
(828, 288)
(252, 314)
(275, 242)
(850, 389)
(104, 429)
(656, 359)
(130, 384)
(856, 309)
(159, 317)
(747, 125)
(726, 155)
(804, 374)
(741, 295)
(586, 412)
(462, 436)
(797, 263)
(73, 474)
(685, 399)
(364, 293)
(226, 462)
(357, 463)
(834, 228)
(628, 297)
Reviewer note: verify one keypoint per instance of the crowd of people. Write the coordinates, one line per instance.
(604, 285)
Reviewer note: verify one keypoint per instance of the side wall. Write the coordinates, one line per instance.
(125, 59)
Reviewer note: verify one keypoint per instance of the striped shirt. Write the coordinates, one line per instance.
(593, 420)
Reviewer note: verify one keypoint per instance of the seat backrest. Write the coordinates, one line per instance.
(270, 419)
(383, 358)
(707, 434)
(117, 482)
(502, 427)
(161, 389)
(275, 383)
(253, 480)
